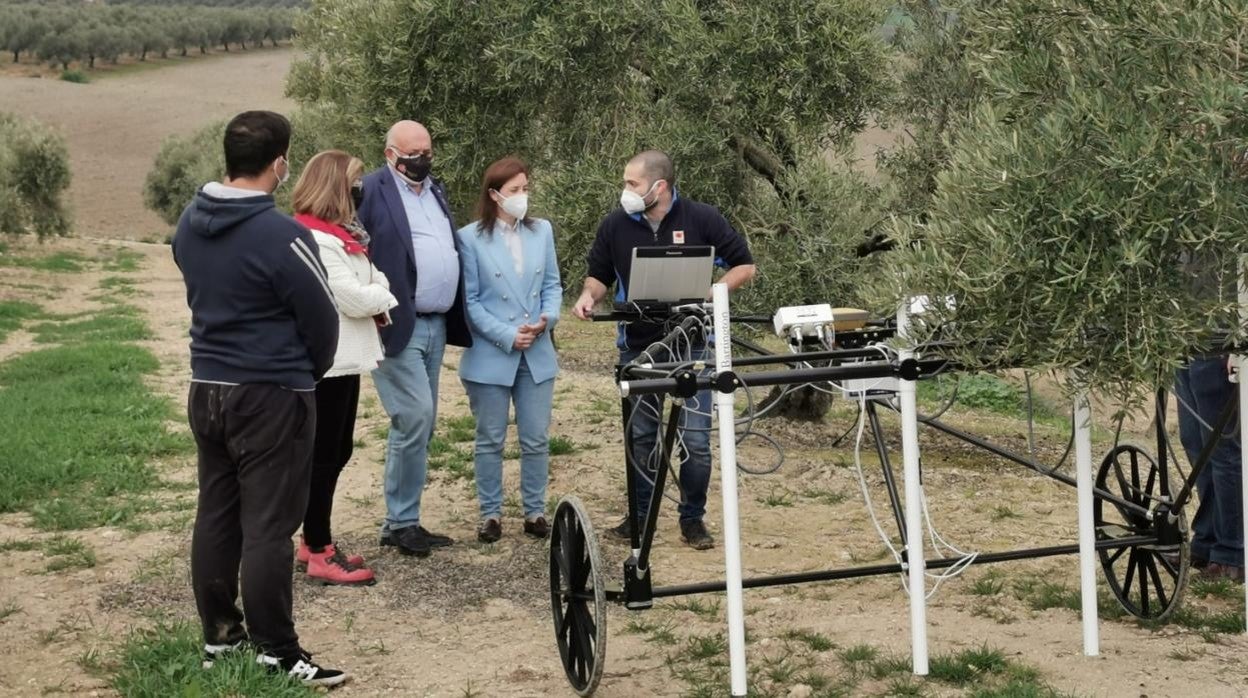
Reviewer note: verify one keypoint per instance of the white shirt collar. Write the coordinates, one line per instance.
(218, 190)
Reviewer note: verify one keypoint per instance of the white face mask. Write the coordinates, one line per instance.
(633, 203)
(281, 179)
(515, 205)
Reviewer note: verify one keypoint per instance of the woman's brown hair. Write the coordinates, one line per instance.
(496, 175)
(324, 187)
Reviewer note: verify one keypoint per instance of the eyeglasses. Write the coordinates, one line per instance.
(418, 153)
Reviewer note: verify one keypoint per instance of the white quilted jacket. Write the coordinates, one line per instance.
(361, 291)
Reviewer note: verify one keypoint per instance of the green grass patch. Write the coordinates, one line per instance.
(562, 446)
(57, 262)
(706, 647)
(84, 430)
(1015, 681)
(452, 459)
(824, 496)
(21, 546)
(967, 666)
(165, 661)
(118, 286)
(461, 429)
(858, 654)
(68, 554)
(776, 498)
(13, 313)
(817, 642)
(893, 665)
(75, 76)
(1218, 622)
(118, 323)
(123, 260)
(987, 392)
(1220, 588)
(706, 609)
(988, 585)
(1001, 513)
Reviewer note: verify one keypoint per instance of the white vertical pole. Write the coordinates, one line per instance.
(1087, 526)
(1242, 364)
(728, 487)
(916, 563)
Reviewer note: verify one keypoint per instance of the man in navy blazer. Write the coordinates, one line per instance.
(405, 212)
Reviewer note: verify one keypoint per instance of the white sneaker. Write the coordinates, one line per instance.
(214, 652)
(300, 666)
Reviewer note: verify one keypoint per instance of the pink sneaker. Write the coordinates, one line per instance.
(303, 552)
(330, 567)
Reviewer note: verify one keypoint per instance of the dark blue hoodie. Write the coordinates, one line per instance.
(261, 309)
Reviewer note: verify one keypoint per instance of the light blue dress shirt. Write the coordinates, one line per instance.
(437, 262)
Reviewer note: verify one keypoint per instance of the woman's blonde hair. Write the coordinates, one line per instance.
(324, 186)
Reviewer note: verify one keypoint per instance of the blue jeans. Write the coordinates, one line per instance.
(491, 405)
(407, 384)
(1217, 529)
(695, 468)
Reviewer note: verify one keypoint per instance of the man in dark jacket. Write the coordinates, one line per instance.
(653, 213)
(413, 242)
(263, 331)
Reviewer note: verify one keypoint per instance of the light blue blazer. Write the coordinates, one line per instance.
(499, 300)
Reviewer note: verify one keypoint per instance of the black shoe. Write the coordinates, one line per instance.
(408, 540)
(436, 540)
(300, 667)
(537, 528)
(695, 535)
(212, 653)
(490, 531)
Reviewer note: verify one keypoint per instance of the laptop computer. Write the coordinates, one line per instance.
(670, 275)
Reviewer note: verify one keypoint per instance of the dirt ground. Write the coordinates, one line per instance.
(475, 620)
(114, 125)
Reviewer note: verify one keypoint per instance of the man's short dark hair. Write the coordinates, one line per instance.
(253, 140)
(657, 165)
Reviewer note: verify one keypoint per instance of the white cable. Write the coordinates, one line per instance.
(967, 559)
(862, 482)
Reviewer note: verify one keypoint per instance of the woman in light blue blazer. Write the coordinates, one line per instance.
(513, 295)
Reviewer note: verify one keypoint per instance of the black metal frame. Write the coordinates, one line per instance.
(638, 591)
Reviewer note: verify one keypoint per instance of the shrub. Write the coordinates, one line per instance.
(34, 174)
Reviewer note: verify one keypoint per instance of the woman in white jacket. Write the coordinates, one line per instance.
(325, 200)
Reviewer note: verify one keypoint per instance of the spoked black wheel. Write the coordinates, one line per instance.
(577, 597)
(1148, 579)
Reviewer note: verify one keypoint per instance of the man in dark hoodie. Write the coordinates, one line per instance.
(263, 331)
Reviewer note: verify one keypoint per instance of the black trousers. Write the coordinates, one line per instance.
(336, 402)
(255, 459)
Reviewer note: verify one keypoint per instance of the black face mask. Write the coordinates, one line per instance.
(415, 167)
(357, 196)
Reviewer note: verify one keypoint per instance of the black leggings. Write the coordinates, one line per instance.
(336, 402)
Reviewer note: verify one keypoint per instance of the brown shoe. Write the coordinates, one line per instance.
(1217, 570)
(536, 528)
(490, 531)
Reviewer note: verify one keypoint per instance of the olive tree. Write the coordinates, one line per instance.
(1093, 200)
(756, 103)
(34, 175)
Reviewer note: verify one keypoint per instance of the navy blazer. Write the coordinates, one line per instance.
(382, 215)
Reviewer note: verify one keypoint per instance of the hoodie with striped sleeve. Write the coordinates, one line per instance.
(261, 308)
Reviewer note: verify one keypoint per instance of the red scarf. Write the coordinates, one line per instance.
(349, 243)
